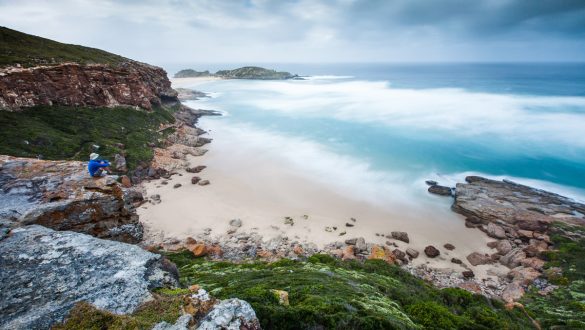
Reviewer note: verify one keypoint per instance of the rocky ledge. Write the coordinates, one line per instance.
(98, 85)
(518, 217)
(45, 272)
(61, 195)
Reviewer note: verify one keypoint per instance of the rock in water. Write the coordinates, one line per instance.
(431, 251)
(440, 190)
(231, 314)
(45, 272)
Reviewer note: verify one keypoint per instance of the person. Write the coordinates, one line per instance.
(96, 166)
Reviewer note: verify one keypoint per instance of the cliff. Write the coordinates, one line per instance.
(74, 75)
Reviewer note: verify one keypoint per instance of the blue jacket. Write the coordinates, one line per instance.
(94, 165)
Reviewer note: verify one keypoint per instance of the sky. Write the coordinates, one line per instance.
(172, 32)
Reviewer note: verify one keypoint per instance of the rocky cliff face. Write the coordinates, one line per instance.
(61, 195)
(129, 83)
(45, 272)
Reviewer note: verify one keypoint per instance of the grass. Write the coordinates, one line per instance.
(332, 294)
(62, 132)
(28, 50)
(564, 308)
(165, 307)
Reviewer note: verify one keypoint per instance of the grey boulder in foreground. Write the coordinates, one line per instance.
(43, 273)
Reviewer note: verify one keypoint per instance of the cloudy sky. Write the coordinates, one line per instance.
(168, 32)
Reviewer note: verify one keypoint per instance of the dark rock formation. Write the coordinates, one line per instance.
(45, 272)
(61, 195)
(401, 236)
(440, 190)
(98, 85)
(431, 251)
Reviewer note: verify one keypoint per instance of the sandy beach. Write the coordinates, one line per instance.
(250, 183)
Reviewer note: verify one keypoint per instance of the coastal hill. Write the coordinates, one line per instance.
(247, 72)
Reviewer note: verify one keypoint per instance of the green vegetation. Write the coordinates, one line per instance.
(247, 72)
(28, 50)
(564, 307)
(190, 73)
(325, 292)
(61, 132)
(84, 316)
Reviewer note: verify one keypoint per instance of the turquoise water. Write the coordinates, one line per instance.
(411, 122)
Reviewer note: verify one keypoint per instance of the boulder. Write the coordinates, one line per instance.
(431, 182)
(382, 253)
(125, 181)
(523, 275)
(512, 292)
(440, 190)
(348, 253)
(412, 253)
(236, 223)
(203, 182)
(468, 274)
(504, 246)
(456, 261)
(195, 180)
(449, 246)
(513, 258)
(360, 245)
(431, 251)
(177, 185)
(535, 263)
(351, 241)
(45, 272)
(230, 314)
(198, 250)
(477, 258)
(61, 195)
(495, 231)
(196, 169)
(120, 163)
(400, 236)
(400, 255)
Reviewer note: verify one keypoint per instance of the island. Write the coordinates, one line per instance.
(246, 72)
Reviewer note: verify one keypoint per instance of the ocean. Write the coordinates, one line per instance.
(378, 131)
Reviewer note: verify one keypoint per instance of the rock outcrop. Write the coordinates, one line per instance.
(61, 195)
(45, 272)
(129, 83)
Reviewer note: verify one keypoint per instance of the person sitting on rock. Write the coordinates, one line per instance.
(96, 166)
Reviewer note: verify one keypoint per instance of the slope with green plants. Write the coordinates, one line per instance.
(60, 132)
(332, 294)
(28, 50)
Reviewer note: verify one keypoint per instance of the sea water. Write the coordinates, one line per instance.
(378, 131)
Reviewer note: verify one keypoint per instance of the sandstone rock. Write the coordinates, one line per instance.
(477, 258)
(440, 190)
(535, 263)
(495, 231)
(203, 182)
(125, 180)
(348, 253)
(512, 292)
(195, 180)
(504, 247)
(131, 83)
(120, 163)
(449, 246)
(231, 314)
(523, 275)
(412, 253)
(45, 272)
(382, 253)
(198, 249)
(431, 251)
(62, 196)
(214, 250)
(400, 236)
(525, 233)
(513, 258)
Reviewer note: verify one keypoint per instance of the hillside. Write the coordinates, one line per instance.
(246, 72)
(28, 50)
